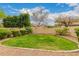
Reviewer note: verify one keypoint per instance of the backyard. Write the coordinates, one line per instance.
(39, 30)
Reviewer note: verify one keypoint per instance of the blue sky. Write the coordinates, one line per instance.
(52, 7)
(55, 9)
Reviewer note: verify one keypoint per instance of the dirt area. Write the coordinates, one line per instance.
(44, 30)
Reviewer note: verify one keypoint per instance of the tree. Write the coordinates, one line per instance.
(64, 20)
(17, 21)
(10, 21)
(20, 21)
(40, 15)
(2, 14)
(24, 20)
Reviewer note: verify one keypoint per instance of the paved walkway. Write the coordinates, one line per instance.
(10, 51)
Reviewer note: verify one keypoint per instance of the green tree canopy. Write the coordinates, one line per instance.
(24, 20)
(2, 13)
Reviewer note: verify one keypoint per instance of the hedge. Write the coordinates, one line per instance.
(6, 33)
(22, 20)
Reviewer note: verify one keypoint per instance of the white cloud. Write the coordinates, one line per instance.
(76, 9)
(12, 8)
(25, 10)
(74, 12)
(51, 16)
(37, 8)
(62, 6)
(72, 4)
(13, 12)
(58, 4)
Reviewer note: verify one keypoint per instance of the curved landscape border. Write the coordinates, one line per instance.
(17, 51)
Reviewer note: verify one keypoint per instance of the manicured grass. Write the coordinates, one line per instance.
(48, 42)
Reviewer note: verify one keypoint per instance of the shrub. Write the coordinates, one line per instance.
(16, 33)
(77, 32)
(1, 25)
(9, 21)
(4, 33)
(62, 31)
(49, 26)
(23, 32)
(28, 30)
(7, 33)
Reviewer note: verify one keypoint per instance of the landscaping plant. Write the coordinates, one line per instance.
(7, 33)
(77, 33)
(4, 33)
(23, 20)
(16, 33)
(23, 32)
(62, 31)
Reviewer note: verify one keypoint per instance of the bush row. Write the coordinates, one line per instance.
(4, 33)
(22, 20)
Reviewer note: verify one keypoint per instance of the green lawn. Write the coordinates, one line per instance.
(48, 42)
